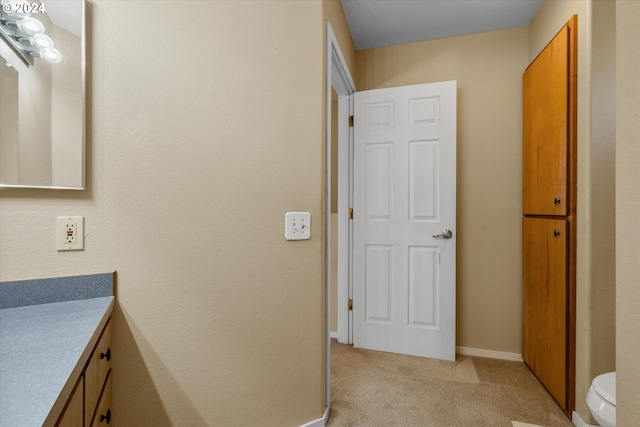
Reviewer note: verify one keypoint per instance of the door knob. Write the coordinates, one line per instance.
(556, 201)
(446, 234)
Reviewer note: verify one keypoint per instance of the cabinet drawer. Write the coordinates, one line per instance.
(103, 411)
(72, 414)
(96, 373)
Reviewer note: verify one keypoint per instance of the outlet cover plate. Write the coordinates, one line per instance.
(297, 225)
(70, 233)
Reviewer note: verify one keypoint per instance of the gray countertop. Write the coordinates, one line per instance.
(43, 350)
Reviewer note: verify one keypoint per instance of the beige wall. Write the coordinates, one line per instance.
(334, 150)
(595, 287)
(334, 274)
(602, 309)
(66, 112)
(628, 211)
(8, 121)
(34, 142)
(200, 139)
(488, 67)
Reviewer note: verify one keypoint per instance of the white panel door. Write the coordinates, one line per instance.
(404, 241)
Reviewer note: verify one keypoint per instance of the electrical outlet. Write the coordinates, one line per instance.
(70, 233)
(297, 225)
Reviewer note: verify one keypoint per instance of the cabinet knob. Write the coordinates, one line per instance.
(107, 417)
(556, 233)
(107, 355)
(556, 201)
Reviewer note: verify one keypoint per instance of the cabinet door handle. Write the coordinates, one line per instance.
(107, 417)
(556, 233)
(556, 201)
(107, 355)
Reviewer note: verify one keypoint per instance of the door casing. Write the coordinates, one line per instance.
(338, 77)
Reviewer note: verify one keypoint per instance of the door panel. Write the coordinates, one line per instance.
(379, 181)
(545, 130)
(404, 193)
(423, 286)
(545, 293)
(378, 283)
(423, 180)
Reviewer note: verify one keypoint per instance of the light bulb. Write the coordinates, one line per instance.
(51, 55)
(41, 41)
(30, 26)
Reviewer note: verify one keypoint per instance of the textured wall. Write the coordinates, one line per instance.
(204, 128)
(488, 67)
(628, 211)
(602, 170)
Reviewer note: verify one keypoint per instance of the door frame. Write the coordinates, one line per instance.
(338, 77)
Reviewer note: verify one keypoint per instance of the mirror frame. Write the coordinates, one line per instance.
(83, 60)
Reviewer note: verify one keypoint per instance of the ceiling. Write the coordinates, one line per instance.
(379, 23)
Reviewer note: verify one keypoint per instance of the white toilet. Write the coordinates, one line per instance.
(601, 399)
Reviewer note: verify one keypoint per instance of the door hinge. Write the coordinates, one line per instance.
(350, 305)
(350, 121)
(350, 213)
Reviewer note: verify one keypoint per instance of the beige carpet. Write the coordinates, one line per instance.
(376, 389)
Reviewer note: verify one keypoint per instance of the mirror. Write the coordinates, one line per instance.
(42, 87)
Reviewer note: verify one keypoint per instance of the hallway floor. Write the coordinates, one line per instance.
(377, 389)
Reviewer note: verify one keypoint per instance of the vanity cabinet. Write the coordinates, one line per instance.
(95, 377)
(103, 411)
(90, 402)
(73, 415)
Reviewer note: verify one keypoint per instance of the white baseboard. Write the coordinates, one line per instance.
(578, 421)
(320, 422)
(502, 355)
(333, 335)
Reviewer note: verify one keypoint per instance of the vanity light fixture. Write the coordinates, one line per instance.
(27, 25)
(25, 32)
(40, 41)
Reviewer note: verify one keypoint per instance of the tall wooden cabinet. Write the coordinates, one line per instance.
(549, 216)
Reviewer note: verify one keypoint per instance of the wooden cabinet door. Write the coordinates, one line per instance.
(103, 410)
(96, 373)
(545, 87)
(545, 293)
(72, 416)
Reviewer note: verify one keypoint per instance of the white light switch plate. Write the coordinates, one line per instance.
(297, 225)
